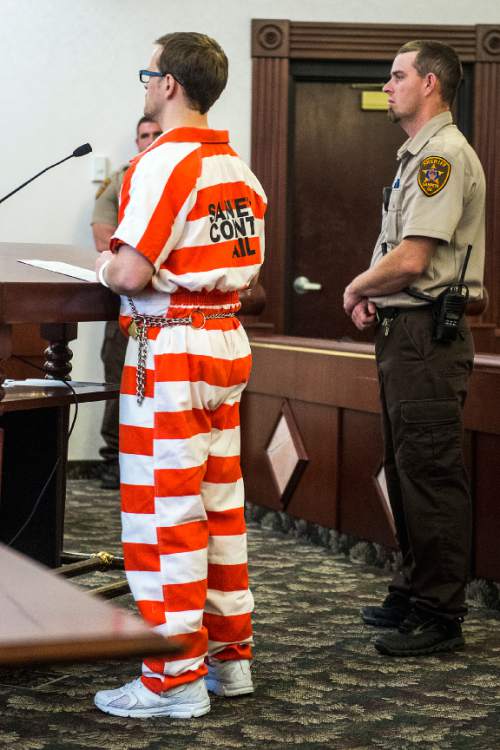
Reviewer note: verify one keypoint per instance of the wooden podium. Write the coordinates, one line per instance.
(34, 421)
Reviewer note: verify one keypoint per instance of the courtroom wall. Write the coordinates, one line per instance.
(69, 75)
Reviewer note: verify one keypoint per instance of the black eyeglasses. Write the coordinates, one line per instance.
(146, 75)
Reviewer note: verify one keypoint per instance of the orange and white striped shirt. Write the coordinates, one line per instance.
(195, 210)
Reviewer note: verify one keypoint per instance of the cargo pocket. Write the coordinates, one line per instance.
(431, 438)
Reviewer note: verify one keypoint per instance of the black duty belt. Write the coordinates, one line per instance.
(389, 313)
(385, 315)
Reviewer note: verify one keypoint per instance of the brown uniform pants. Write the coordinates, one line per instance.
(423, 385)
(113, 351)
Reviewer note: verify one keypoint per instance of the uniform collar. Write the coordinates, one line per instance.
(186, 135)
(416, 144)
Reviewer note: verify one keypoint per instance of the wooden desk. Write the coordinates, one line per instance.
(57, 302)
(45, 618)
(30, 294)
(35, 422)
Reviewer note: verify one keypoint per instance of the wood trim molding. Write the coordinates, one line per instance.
(270, 38)
(488, 44)
(302, 40)
(487, 145)
(286, 455)
(372, 41)
(277, 42)
(270, 162)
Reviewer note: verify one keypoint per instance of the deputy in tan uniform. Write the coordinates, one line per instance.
(432, 213)
(104, 223)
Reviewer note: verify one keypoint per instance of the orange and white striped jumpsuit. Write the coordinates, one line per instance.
(195, 210)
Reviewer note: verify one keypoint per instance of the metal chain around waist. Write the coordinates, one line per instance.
(139, 330)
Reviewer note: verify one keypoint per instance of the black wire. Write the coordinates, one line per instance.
(58, 460)
(66, 383)
(36, 505)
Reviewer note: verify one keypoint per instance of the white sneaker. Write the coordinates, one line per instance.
(133, 699)
(229, 678)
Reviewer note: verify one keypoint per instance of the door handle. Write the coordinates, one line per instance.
(302, 285)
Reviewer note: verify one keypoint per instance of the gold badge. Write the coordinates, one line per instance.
(433, 174)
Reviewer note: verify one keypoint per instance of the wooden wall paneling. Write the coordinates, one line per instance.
(316, 498)
(482, 412)
(486, 515)
(361, 511)
(259, 414)
(331, 375)
(334, 400)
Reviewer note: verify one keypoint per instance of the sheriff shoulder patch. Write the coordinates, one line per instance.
(433, 174)
(102, 188)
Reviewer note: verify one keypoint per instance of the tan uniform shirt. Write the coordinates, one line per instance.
(108, 198)
(438, 192)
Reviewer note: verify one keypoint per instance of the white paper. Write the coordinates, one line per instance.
(41, 383)
(77, 272)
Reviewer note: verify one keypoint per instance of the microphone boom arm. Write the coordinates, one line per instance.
(80, 151)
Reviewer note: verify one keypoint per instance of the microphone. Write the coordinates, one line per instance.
(81, 150)
(86, 148)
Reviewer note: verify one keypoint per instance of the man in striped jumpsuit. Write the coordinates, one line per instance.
(190, 236)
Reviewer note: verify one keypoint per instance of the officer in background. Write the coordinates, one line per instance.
(104, 223)
(433, 213)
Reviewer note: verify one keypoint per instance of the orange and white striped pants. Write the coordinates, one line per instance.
(183, 526)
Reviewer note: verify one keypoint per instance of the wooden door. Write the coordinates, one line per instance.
(342, 157)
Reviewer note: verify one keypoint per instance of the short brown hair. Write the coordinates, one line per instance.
(144, 118)
(198, 63)
(443, 61)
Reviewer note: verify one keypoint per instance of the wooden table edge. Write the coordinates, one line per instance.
(39, 652)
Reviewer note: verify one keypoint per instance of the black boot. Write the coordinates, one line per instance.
(422, 633)
(390, 614)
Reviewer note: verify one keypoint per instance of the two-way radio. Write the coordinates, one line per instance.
(449, 306)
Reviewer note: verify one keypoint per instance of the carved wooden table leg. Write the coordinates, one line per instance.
(59, 355)
(5, 351)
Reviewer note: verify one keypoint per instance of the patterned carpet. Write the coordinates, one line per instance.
(319, 682)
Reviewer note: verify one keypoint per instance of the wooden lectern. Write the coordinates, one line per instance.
(34, 422)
